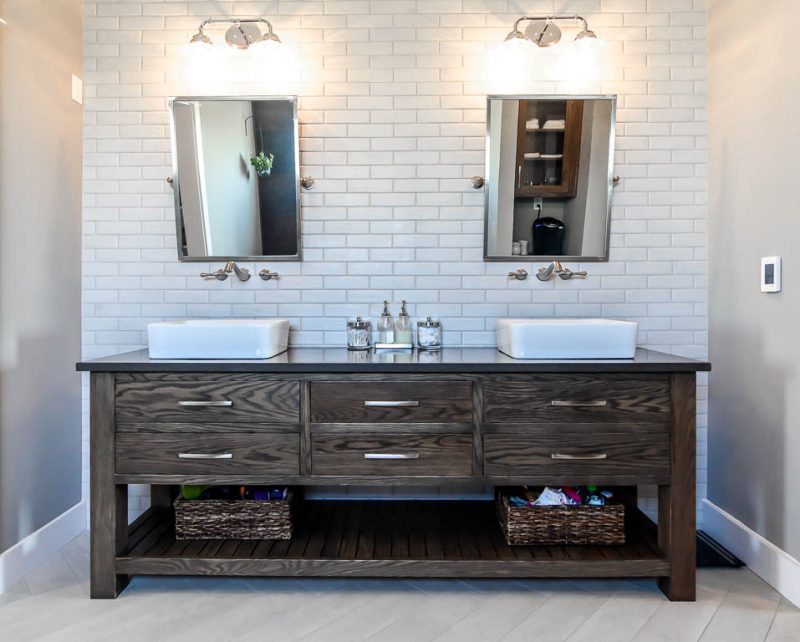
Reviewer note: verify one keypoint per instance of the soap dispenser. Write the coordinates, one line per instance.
(402, 327)
(386, 325)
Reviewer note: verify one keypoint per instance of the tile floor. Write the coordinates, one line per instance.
(733, 605)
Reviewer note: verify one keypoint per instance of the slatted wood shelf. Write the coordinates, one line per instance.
(387, 539)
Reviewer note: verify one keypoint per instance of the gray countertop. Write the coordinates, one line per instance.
(453, 360)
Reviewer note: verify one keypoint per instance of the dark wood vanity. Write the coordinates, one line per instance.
(317, 417)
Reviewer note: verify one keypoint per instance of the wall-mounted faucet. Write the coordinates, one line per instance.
(268, 275)
(520, 274)
(243, 274)
(547, 272)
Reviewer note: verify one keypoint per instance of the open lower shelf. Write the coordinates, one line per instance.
(387, 539)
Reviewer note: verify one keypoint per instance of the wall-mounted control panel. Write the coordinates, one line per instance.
(771, 274)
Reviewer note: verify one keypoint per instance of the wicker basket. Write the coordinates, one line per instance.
(233, 519)
(532, 525)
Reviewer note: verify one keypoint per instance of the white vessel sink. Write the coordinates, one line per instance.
(218, 338)
(567, 338)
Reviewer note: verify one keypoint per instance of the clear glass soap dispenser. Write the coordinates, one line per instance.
(386, 325)
(402, 327)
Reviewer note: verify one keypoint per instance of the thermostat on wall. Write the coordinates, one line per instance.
(771, 274)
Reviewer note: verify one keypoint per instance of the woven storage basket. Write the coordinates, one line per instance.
(532, 525)
(233, 519)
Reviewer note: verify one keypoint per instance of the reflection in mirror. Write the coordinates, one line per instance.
(236, 167)
(549, 163)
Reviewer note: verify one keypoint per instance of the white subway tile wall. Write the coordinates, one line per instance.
(392, 98)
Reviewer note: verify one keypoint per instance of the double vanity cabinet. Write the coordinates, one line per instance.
(326, 417)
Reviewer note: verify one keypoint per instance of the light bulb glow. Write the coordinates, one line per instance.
(203, 61)
(582, 61)
(511, 65)
(271, 63)
(590, 46)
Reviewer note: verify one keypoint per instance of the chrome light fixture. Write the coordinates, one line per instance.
(544, 32)
(242, 33)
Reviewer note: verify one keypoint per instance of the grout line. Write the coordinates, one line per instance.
(716, 610)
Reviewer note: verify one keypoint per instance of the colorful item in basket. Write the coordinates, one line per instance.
(552, 497)
(192, 492)
(263, 493)
(573, 495)
(221, 492)
(566, 496)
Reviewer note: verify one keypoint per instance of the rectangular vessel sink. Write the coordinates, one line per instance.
(567, 338)
(217, 338)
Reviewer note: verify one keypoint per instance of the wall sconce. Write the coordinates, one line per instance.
(531, 54)
(242, 33)
(544, 32)
(255, 56)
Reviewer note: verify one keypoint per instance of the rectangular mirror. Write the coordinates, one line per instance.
(549, 177)
(236, 170)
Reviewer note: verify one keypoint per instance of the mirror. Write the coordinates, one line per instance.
(236, 178)
(549, 177)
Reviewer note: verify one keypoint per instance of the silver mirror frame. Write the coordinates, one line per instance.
(541, 258)
(176, 183)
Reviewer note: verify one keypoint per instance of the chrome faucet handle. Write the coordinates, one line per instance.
(243, 274)
(268, 275)
(520, 274)
(544, 274)
(219, 275)
(567, 274)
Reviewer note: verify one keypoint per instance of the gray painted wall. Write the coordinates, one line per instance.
(754, 120)
(40, 254)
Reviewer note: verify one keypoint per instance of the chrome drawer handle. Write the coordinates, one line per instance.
(205, 404)
(579, 457)
(579, 404)
(391, 456)
(205, 455)
(391, 404)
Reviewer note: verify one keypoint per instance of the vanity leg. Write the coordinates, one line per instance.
(109, 501)
(677, 501)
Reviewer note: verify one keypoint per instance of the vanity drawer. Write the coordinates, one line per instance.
(176, 399)
(401, 401)
(579, 457)
(210, 454)
(577, 398)
(391, 455)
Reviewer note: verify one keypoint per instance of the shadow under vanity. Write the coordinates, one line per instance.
(303, 418)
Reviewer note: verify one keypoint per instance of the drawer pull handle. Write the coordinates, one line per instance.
(579, 404)
(391, 456)
(579, 457)
(205, 455)
(391, 404)
(205, 404)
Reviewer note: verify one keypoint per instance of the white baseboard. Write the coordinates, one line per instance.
(26, 555)
(772, 564)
